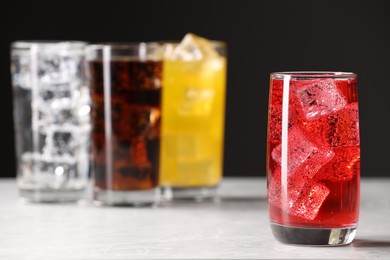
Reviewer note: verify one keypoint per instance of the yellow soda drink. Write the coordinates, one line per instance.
(193, 113)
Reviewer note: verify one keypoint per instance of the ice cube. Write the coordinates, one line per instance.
(304, 154)
(62, 140)
(60, 111)
(310, 199)
(58, 67)
(192, 48)
(52, 92)
(340, 128)
(319, 97)
(295, 183)
(343, 166)
(304, 195)
(51, 172)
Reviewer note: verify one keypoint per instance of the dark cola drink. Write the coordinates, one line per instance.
(126, 117)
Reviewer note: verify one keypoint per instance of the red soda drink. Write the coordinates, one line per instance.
(313, 157)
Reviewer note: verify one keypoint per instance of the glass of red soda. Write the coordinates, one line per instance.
(313, 157)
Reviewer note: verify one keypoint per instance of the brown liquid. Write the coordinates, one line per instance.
(135, 99)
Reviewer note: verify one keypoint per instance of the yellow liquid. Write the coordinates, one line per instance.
(193, 113)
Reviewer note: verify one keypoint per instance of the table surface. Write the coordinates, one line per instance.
(235, 228)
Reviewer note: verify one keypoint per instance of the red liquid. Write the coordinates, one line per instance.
(322, 174)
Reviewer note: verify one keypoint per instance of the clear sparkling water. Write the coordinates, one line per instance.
(51, 116)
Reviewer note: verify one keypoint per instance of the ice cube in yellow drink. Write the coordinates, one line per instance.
(193, 113)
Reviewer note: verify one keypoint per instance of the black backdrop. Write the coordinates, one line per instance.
(262, 37)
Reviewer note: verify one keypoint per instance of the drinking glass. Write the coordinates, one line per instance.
(125, 82)
(313, 157)
(51, 119)
(193, 118)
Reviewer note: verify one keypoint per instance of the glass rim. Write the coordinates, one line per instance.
(120, 45)
(27, 44)
(313, 74)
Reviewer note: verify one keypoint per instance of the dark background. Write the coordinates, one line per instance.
(262, 37)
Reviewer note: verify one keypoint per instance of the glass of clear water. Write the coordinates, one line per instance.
(51, 120)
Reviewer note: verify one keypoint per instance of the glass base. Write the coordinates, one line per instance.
(132, 198)
(191, 193)
(314, 236)
(53, 196)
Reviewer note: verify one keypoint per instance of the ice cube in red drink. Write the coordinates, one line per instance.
(340, 128)
(310, 199)
(302, 197)
(319, 97)
(302, 152)
(295, 184)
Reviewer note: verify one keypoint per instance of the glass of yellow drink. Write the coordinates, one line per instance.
(193, 114)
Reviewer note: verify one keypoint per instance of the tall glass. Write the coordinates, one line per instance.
(193, 119)
(313, 157)
(51, 118)
(125, 81)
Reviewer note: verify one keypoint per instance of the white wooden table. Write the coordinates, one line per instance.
(235, 228)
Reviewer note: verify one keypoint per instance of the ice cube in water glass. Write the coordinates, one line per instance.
(62, 140)
(48, 172)
(57, 68)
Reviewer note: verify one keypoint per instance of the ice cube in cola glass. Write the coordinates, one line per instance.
(313, 157)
